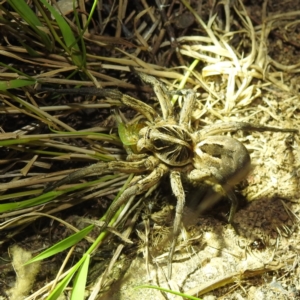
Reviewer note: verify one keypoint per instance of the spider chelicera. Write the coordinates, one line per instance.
(168, 145)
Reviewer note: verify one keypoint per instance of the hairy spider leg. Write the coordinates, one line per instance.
(137, 188)
(185, 116)
(161, 94)
(175, 178)
(177, 188)
(176, 183)
(136, 167)
(235, 126)
(146, 110)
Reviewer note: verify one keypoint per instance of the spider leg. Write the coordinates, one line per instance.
(137, 188)
(178, 191)
(187, 108)
(161, 94)
(234, 204)
(235, 126)
(210, 174)
(141, 107)
(126, 167)
(147, 111)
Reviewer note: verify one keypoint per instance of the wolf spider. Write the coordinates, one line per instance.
(169, 145)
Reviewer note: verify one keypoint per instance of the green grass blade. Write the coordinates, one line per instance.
(63, 284)
(80, 280)
(184, 296)
(6, 207)
(93, 8)
(81, 34)
(63, 245)
(47, 197)
(15, 83)
(10, 142)
(18, 195)
(16, 70)
(25, 13)
(108, 137)
(68, 35)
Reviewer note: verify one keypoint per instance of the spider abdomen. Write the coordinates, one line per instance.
(226, 159)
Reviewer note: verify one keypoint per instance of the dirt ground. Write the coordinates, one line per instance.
(257, 256)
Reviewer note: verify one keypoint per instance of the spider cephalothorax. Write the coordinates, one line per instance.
(170, 146)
